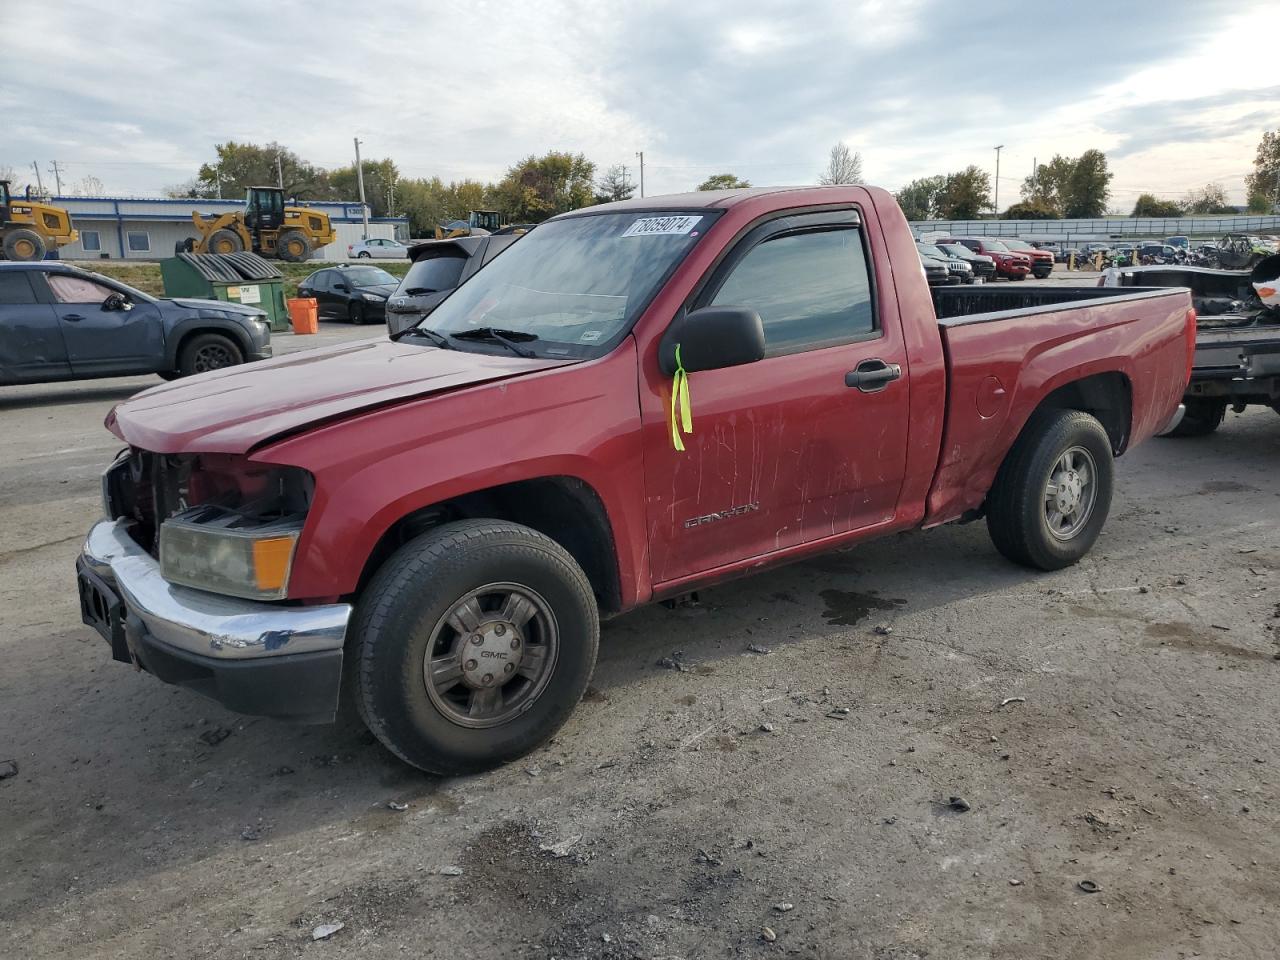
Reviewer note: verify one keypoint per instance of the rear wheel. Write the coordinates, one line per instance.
(225, 241)
(208, 351)
(1053, 491)
(473, 644)
(292, 246)
(24, 245)
(364, 255)
(1203, 416)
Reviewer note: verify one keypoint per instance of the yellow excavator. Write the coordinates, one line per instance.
(29, 228)
(265, 226)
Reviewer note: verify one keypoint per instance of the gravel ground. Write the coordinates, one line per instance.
(785, 792)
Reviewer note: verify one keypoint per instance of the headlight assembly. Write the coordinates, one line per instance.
(373, 297)
(203, 548)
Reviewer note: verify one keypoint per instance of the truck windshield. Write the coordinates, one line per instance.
(574, 285)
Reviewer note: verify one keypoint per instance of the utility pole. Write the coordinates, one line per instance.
(217, 178)
(364, 207)
(57, 175)
(35, 165)
(279, 171)
(640, 154)
(995, 203)
(391, 199)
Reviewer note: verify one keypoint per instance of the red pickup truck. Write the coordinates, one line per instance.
(637, 400)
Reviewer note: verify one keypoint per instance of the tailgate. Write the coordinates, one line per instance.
(1237, 353)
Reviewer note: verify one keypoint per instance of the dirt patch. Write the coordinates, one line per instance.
(1186, 636)
(847, 607)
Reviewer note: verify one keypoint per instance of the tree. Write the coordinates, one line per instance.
(1050, 185)
(1210, 198)
(540, 187)
(241, 165)
(380, 181)
(844, 166)
(723, 181)
(965, 194)
(1263, 184)
(87, 186)
(1149, 205)
(919, 198)
(430, 201)
(1089, 187)
(614, 185)
(1030, 210)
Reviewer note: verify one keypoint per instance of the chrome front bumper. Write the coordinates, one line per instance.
(206, 624)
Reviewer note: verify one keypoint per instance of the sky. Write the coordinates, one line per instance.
(1172, 92)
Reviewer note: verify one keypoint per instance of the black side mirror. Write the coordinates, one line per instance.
(341, 287)
(116, 301)
(711, 338)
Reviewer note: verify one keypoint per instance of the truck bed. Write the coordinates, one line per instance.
(1008, 347)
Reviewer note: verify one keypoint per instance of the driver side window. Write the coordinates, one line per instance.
(67, 289)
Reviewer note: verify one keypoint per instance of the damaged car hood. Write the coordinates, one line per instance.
(239, 408)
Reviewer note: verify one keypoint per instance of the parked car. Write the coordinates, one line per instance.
(58, 322)
(1041, 260)
(357, 294)
(438, 267)
(936, 273)
(444, 518)
(984, 268)
(958, 269)
(378, 248)
(1179, 241)
(1011, 265)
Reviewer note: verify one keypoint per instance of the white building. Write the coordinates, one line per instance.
(146, 228)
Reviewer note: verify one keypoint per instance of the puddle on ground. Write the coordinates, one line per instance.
(846, 607)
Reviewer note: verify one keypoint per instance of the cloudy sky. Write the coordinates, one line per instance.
(1173, 92)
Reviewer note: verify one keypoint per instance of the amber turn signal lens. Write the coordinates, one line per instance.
(271, 558)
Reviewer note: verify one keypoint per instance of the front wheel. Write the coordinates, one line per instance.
(1053, 491)
(355, 313)
(208, 351)
(473, 644)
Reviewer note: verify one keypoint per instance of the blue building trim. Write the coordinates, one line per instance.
(120, 231)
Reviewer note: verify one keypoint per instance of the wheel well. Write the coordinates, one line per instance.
(1107, 396)
(565, 509)
(187, 335)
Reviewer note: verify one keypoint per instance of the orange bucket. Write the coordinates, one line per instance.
(303, 314)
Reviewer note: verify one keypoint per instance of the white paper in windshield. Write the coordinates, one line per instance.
(658, 226)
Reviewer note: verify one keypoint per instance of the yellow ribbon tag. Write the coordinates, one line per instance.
(680, 401)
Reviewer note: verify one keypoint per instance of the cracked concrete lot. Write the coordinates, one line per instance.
(1111, 727)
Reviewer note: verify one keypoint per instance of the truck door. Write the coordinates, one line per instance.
(103, 335)
(809, 442)
(31, 346)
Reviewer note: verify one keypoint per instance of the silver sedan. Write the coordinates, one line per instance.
(378, 248)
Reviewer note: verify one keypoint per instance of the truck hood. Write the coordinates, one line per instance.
(237, 409)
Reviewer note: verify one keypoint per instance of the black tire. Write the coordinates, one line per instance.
(292, 246)
(1021, 276)
(208, 351)
(364, 255)
(225, 241)
(1017, 506)
(169, 374)
(24, 246)
(1203, 416)
(404, 611)
(355, 313)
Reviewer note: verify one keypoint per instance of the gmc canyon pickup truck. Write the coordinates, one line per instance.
(637, 400)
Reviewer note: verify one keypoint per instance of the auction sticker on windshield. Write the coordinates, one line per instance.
(655, 226)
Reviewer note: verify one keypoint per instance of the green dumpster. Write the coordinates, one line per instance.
(232, 277)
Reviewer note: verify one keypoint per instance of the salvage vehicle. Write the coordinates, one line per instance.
(636, 401)
(936, 273)
(1041, 260)
(1237, 358)
(266, 226)
(438, 267)
(58, 322)
(958, 269)
(357, 294)
(984, 268)
(1010, 265)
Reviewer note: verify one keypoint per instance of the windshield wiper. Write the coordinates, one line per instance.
(439, 339)
(504, 337)
(418, 291)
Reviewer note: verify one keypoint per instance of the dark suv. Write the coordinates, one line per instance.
(58, 322)
(438, 267)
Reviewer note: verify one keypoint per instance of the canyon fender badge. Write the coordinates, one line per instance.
(722, 515)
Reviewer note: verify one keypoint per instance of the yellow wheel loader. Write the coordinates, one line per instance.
(29, 229)
(265, 226)
(479, 223)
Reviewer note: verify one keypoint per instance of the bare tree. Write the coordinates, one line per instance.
(87, 186)
(845, 166)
